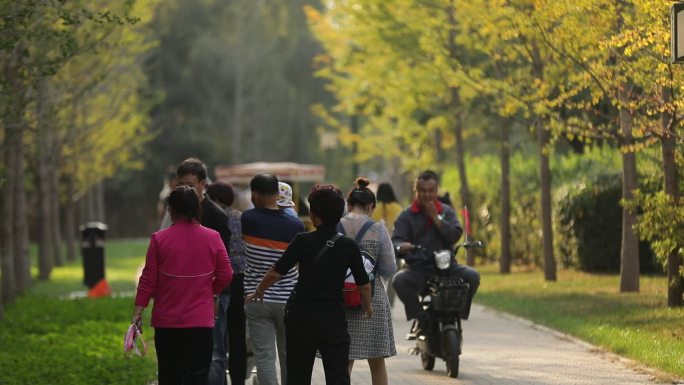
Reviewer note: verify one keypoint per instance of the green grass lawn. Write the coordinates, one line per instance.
(47, 339)
(635, 325)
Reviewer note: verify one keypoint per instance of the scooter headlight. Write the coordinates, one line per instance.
(443, 259)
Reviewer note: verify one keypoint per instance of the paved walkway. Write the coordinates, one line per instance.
(501, 349)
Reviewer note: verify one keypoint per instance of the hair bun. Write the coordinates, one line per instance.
(362, 182)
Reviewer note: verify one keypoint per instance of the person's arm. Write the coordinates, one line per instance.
(366, 306)
(355, 262)
(223, 273)
(450, 231)
(387, 262)
(215, 218)
(271, 277)
(402, 235)
(147, 283)
(402, 239)
(237, 244)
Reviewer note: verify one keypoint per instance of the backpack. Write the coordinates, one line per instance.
(352, 294)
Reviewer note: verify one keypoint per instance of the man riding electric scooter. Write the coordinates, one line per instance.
(432, 225)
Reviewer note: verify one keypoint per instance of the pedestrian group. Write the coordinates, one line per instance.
(233, 284)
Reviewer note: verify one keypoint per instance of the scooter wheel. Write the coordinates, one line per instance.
(427, 360)
(453, 343)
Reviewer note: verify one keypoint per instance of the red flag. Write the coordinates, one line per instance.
(466, 217)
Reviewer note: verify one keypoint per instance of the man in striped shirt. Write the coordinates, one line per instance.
(267, 231)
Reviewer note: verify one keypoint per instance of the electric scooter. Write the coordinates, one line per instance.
(443, 300)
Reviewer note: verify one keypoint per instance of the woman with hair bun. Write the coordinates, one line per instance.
(372, 338)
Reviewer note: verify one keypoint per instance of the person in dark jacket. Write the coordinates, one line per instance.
(193, 172)
(434, 225)
(315, 318)
(236, 334)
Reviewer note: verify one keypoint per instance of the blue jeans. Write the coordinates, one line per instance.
(217, 371)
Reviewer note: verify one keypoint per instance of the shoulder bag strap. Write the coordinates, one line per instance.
(328, 244)
(362, 230)
(359, 237)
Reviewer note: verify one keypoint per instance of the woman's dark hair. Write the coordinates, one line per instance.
(265, 184)
(326, 202)
(386, 193)
(221, 192)
(184, 203)
(361, 195)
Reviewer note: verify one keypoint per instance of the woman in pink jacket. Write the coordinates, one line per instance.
(186, 267)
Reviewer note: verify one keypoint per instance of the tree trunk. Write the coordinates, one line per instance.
(547, 224)
(2, 307)
(675, 286)
(45, 244)
(20, 243)
(354, 126)
(458, 127)
(70, 222)
(463, 176)
(545, 178)
(629, 255)
(7, 263)
(90, 212)
(505, 262)
(55, 227)
(2, 301)
(239, 92)
(100, 202)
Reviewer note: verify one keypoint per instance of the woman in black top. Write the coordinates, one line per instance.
(315, 317)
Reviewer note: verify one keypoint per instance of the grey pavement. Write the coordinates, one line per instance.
(505, 350)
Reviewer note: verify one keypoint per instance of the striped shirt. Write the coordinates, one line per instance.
(267, 234)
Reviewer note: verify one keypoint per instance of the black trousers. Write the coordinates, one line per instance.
(183, 355)
(410, 283)
(237, 341)
(309, 328)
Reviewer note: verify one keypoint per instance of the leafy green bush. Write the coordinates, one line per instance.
(591, 209)
(484, 174)
(662, 224)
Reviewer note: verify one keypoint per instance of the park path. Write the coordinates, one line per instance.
(505, 350)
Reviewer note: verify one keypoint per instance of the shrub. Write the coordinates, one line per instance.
(47, 338)
(592, 211)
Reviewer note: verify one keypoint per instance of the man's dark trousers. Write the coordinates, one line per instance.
(236, 334)
(409, 281)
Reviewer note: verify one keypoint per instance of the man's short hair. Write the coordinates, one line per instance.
(192, 166)
(265, 184)
(428, 175)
